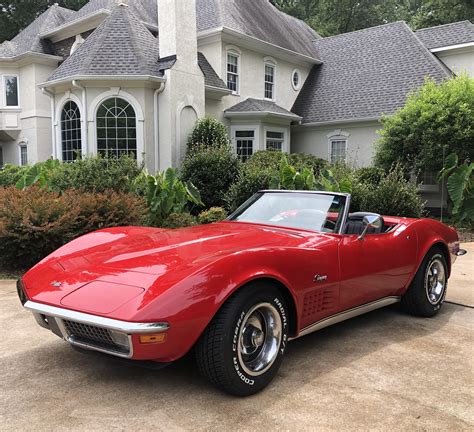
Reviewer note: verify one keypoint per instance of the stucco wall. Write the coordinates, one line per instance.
(459, 60)
(252, 76)
(33, 118)
(361, 138)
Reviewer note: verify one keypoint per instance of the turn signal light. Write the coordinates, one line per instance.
(153, 338)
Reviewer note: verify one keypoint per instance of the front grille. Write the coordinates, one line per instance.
(92, 335)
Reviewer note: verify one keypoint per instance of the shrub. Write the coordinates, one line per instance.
(208, 132)
(179, 220)
(393, 196)
(214, 214)
(11, 174)
(97, 174)
(436, 119)
(35, 221)
(212, 170)
(165, 194)
(369, 175)
(260, 171)
(105, 210)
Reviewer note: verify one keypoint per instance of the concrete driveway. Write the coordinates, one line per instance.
(381, 371)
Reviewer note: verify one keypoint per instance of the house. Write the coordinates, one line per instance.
(133, 77)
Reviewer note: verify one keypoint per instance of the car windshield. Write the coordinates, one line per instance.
(309, 211)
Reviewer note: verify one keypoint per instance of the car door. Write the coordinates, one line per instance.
(378, 266)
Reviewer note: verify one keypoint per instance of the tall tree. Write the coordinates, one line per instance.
(330, 17)
(15, 15)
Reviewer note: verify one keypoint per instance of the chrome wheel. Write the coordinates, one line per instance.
(435, 281)
(260, 339)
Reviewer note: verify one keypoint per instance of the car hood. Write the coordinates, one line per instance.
(122, 263)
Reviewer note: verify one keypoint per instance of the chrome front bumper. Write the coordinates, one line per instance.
(90, 331)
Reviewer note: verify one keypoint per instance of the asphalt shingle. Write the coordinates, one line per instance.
(210, 75)
(251, 105)
(446, 35)
(29, 40)
(121, 45)
(365, 74)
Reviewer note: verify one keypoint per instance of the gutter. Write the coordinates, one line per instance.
(335, 122)
(102, 78)
(156, 123)
(262, 114)
(53, 120)
(76, 84)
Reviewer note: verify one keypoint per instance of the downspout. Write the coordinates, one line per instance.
(156, 124)
(76, 84)
(53, 120)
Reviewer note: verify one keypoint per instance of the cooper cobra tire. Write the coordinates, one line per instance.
(241, 350)
(425, 295)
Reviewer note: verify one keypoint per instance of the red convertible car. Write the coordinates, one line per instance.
(285, 264)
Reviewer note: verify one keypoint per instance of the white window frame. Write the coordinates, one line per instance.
(269, 63)
(337, 139)
(22, 146)
(296, 87)
(245, 128)
(233, 52)
(4, 83)
(285, 148)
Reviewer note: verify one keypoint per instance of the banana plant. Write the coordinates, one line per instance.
(40, 174)
(165, 194)
(290, 178)
(460, 185)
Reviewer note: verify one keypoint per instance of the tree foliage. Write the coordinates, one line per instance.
(15, 15)
(436, 120)
(330, 17)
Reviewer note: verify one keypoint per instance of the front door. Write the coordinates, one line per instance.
(378, 266)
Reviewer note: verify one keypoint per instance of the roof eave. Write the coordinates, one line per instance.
(293, 117)
(149, 78)
(224, 91)
(32, 55)
(242, 36)
(452, 47)
(343, 121)
(101, 13)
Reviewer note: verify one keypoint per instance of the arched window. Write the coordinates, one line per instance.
(71, 132)
(116, 128)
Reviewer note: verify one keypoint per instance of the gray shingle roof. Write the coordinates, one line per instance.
(121, 45)
(446, 35)
(145, 10)
(256, 106)
(257, 18)
(28, 40)
(260, 19)
(365, 74)
(210, 75)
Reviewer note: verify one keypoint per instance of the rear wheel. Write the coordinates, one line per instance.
(426, 294)
(242, 348)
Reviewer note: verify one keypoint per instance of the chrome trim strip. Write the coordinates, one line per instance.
(83, 345)
(108, 323)
(350, 313)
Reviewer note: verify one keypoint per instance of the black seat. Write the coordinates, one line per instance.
(355, 225)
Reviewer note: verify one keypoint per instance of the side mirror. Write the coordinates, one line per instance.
(371, 221)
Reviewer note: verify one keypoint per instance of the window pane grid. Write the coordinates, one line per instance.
(269, 81)
(71, 133)
(338, 151)
(23, 155)
(232, 72)
(244, 144)
(275, 141)
(116, 128)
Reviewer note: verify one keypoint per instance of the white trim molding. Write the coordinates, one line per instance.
(452, 47)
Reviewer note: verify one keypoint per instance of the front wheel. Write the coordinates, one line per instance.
(426, 294)
(242, 348)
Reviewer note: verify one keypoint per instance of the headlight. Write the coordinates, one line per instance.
(20, 289)
(120, 339)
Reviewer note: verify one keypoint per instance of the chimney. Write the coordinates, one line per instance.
(178, 30)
